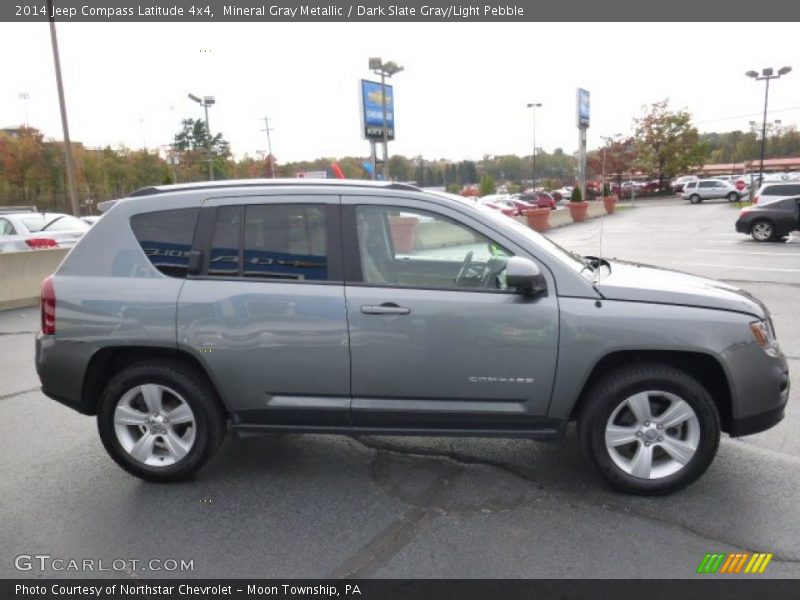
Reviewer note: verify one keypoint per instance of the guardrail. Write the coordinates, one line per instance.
(21, 275)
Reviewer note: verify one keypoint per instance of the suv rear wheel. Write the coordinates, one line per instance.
(650, 429)
(160, 421)
(732, 197)
(695, 199)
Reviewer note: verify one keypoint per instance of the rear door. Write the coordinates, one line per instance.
(437, 340)
(266, 311)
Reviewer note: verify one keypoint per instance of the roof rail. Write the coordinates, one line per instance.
(238, 183)
(17, 209)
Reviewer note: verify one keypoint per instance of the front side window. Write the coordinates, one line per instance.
(409, 248)
(166, 238)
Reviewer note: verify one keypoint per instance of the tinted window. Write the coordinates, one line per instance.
(409, 248)
(782, 190)
(52, 222)
(707, 184)
(691, 184)
(166, 238)
(226, 241)
(285, 241)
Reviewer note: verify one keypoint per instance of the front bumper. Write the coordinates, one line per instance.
(760, 386)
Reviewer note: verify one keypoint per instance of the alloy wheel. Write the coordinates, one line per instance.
(652, 434)
(762, 231)
(154, 425)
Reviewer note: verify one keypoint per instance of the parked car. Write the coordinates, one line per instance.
(677, 184)
(563, 193)
(769, 192)
(649, 187)
(91, 219)
(21, 231)
(707, 189)
(324, 306)
(534, 200)
(770, 221)
(500, 202)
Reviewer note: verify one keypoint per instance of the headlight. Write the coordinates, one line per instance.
(764, 334)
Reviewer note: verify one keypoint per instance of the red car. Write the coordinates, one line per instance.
(503, 204)
(527, 200)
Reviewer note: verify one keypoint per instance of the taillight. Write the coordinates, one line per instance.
(41, 243)
(755, 200)
(48, 307)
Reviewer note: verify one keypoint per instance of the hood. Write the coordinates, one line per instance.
(644, 283)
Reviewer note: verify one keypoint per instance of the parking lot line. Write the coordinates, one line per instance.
(787, 254)
(746, 268)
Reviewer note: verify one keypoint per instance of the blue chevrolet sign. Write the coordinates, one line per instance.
(372, 110)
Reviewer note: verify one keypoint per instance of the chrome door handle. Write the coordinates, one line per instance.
(387, 308)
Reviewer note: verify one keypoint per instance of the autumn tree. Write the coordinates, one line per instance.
(22, 157)
(666, 143)
(615, 158)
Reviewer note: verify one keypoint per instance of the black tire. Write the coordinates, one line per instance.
(695, 199)
(195, 390)
(762, 231)
(609, 392)
(733, 197)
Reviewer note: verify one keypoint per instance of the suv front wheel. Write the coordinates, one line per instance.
(650, 429)
(160, 421)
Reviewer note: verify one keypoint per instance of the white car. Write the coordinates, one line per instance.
(772, 192)
(21, 231)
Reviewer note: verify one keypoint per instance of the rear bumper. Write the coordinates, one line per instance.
(61, 367)
(742, 226)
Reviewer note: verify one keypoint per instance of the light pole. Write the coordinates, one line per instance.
(766, 75)
(384, 69)
(69, 163)
(205, 102)
(534, 106)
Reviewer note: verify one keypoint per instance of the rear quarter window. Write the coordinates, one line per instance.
(166, 238)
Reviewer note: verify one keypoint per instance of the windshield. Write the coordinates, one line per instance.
(52, 222)
(571, 259)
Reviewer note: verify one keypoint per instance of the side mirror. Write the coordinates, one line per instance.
(524, 275)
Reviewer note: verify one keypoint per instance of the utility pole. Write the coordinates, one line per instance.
(269, 146)
(25, 96)
(72, 191)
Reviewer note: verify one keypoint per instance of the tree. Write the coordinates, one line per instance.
(22, 158)
(615, 158)
(192, 145)
(486, 185)
(667, 144)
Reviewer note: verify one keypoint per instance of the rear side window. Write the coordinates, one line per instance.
(782, 190)
(278, 241)
(166, 238)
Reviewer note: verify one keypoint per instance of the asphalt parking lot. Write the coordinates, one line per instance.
(319, 506)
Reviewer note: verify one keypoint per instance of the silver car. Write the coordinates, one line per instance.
(376, 308)
(708, 189)
(32, 230)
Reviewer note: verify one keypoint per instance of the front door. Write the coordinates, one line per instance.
(436, 338)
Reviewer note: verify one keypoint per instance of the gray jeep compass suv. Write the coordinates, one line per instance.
(353, 307)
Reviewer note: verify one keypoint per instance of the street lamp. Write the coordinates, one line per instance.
(205, 102)
(384, 69)
(766, 74)
(534, 106)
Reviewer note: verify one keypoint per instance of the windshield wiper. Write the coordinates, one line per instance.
(51, 222)
(594, 263)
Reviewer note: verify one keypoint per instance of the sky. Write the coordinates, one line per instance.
(462, 94)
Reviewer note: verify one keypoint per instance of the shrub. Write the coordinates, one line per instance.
(576, 195)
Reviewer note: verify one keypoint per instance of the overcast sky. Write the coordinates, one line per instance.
(462, 94)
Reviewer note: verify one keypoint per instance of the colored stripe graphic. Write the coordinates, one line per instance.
(721, 562)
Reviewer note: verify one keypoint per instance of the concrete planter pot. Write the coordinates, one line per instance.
(610, 202)
(538, 218)
(404, 233)
(578, 211)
